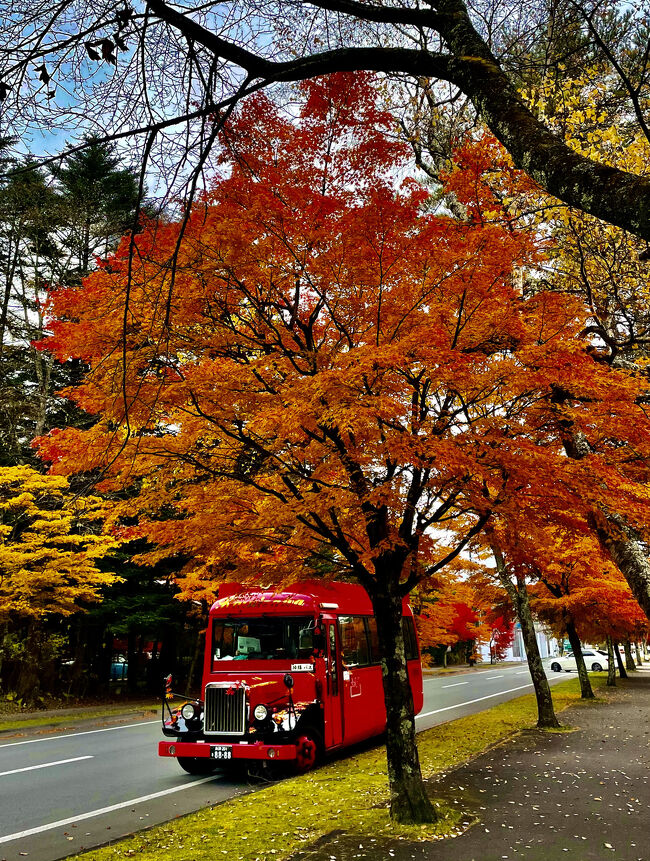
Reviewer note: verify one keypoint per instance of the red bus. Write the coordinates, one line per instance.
(287, 676)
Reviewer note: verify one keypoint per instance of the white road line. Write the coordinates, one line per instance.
(44, 765)
(521, 673)
(487, 678)
(74, 734)
(61, 822)
(477, 700)
(455, 685)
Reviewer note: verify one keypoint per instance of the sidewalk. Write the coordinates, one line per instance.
(582, 795)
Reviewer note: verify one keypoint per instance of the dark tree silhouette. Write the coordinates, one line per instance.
(51, 228)
(142, 70)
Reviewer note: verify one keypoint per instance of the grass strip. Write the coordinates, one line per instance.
(8, 725)
(350, 794)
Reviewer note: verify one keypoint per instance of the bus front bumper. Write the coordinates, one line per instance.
(226, 752)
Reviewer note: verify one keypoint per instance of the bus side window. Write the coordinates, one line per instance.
(373, 639)
(333, 674)
(354, 642)
(306, 641)
(410, 641)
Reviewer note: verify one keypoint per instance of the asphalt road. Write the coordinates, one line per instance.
(66, 792)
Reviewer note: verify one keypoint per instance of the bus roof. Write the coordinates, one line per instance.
(306, 597)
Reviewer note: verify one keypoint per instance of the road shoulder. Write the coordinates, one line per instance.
(33, 724)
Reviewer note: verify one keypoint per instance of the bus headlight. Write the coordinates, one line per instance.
(260, 713)
(189, 711)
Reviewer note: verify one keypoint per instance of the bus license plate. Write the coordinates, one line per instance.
(221, 752)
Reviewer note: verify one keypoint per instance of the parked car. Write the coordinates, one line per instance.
(594, 661)
(119, 668)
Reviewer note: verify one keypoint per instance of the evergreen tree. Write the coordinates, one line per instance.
(29, 262)
(51, 228)
(99, 199)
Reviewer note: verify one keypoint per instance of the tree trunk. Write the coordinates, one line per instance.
(627, 552)
(196, 667)
(621, 542)
(168, 660)
(132, 661)
(12, 250)
(518, 594)
(84, 257)
(77, 680)
(567, 176)
(104, 659)
(629, 660)
(639, 659)
(43, 372)
(97, 656)
(409, 802)
(29, 679)
(619, 661)
(546, 717)
(3, 644)
(611, 666)
(586, 691)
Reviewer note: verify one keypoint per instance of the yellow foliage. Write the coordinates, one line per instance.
(592, 258)
(50, 543)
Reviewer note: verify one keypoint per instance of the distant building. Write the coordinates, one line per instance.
(546, 643)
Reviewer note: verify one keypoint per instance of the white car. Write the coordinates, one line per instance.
(595, 662)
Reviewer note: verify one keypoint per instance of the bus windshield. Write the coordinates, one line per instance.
(268, 638)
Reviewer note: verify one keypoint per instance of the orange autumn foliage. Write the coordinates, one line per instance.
(442, 614)
(570, 577)
(317, 362)
(557, 549)
(577, 581)
(451, 611)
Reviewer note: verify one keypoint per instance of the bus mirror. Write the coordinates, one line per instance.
(168, 687)
(319, 637)
(288, 680)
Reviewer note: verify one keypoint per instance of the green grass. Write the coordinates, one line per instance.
(349, 794)
(8, 724)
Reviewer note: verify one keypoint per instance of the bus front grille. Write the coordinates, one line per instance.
(225, 710)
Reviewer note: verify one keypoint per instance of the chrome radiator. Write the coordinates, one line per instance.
(225, 710)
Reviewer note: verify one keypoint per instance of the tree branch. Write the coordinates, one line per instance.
(610, 194)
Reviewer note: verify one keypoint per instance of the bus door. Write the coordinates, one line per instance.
(363, 700)
(334, 698)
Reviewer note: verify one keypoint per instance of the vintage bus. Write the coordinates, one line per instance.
(287, 677)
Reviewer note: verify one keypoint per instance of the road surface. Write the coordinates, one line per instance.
(81, 788)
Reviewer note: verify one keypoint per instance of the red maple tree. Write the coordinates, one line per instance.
(312, 372)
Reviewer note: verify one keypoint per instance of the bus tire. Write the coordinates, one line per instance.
(309, 750)
(197, 765)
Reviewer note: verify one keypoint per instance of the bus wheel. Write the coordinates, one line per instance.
(308, 750)
(197, 765)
